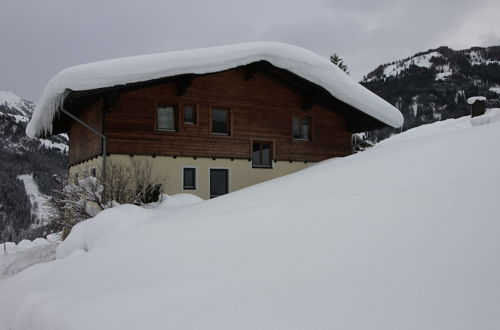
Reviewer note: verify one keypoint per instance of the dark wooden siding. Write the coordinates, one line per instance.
(83, 144)
(261, 109)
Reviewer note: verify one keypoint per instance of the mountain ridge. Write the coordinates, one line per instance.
(30, 170)
(435, 84)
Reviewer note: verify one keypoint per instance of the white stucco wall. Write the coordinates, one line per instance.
(241, 173)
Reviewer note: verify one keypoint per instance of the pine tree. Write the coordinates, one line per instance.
(338, 61)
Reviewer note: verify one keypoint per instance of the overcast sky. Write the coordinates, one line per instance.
(40, 38)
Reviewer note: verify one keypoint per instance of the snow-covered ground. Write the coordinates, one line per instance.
(401, 236)
(16, 257)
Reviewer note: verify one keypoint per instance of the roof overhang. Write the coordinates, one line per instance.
(309, 72)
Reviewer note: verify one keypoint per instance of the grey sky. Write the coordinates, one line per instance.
(40, 38)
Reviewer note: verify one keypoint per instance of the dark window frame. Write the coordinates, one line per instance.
(194, 186)
(194, 107)
(271, 153)
(309, 128)
(176, 117)
(229, 126)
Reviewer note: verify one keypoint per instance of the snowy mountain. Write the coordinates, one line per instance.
(29, 171)
(351, 243)
(435, 84)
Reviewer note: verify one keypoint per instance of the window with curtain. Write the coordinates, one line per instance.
(167, 118)
(301, 128)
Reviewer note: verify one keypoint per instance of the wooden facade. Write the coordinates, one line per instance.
(261, 100)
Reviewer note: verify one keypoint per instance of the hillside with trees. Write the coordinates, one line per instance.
(30, 172)
(434, 85)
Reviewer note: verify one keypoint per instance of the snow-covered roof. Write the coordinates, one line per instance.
(299, 61)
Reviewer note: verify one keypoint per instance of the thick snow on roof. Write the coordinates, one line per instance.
(299, 61)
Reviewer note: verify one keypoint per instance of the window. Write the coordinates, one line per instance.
(189, 178)
(219, 182)
(261, 154)
(189, 114)
(301, 128)
(167, 118)
(220, 121)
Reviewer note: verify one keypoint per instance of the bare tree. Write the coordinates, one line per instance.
(85, 196)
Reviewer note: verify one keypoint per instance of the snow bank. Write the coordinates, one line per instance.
(26, 244)
(205, 60)
(441, 127)
(11, 247)
(14, 258)
(490, 116)
(179, 200)
(436, 128)
(85, 235)
(402, 236)
(18, 260)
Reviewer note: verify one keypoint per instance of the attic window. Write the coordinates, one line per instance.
(189, 114)
(167, 118)
(301, 128)
(220, 121)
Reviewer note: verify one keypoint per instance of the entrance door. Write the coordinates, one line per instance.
(219, 182)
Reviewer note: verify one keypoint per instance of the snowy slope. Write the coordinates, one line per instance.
(352, 243)
(16, 104)
(40, 203)
(423, 61)
(299, 61)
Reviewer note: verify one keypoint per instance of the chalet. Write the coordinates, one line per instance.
(212, 120)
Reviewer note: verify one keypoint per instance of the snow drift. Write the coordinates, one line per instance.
(402, 236)
(126, 70)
